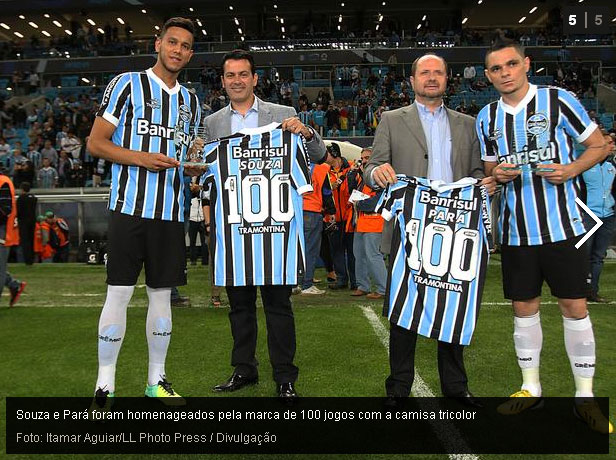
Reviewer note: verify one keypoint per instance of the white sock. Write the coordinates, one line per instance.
(158, 331)
(528, 339)
(580, 345)
(111, 329)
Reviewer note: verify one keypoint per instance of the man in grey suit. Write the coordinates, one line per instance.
(248, 111)
(425, 139)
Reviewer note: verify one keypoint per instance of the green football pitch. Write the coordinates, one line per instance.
(48, 344)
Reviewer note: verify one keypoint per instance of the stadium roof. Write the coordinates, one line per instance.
(256, 13)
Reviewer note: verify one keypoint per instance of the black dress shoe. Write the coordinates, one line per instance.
(467, 399)
(235, 382)
(394, 402)
(286, 391)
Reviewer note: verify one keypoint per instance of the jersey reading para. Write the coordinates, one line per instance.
(541, 129)
(439, 256)
(145, 112)
(256, 178)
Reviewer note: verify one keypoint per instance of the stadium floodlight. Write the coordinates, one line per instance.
(91, 22)
(157, 27)
(4, 26)
(57, 24)
(418, 26)
(342, 5)
(425, 16)
(384, 3)
(239, 31)
(199, 23)
(8, 88)
(464, 20)
(21, 16)
(275, 6)
(33, 24)
(230, 7)
(68, 32)
(120, 20)
(191, 9)
(17, 34)
(46, 15)
(85, 80)
(479, 2)
(522, 19)
(144, 11)
(533, 9)
(614, 20)
(101, 31)
(540, 70)
(203, 32)
(47, 34)
(237, 22)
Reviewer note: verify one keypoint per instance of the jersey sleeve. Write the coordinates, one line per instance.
(577, 123)
(300, 166)
(486, 146)
(115, 99)
(391, 200)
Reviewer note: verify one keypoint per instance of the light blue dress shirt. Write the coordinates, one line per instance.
(250, 120)
(438, 138)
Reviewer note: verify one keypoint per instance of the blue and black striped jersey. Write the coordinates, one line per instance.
(540, 130)
(439, 256)
(256, 178)
(145, 113)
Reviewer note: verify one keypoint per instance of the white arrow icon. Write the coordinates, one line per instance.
(598, 224)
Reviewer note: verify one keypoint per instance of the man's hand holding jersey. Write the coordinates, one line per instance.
(294, 125)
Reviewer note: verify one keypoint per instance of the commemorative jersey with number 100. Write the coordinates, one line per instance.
(256, 178)
(439, 255)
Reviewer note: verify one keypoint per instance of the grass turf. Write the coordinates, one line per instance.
(49, 343)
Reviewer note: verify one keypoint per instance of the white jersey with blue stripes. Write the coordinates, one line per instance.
(145, 113)
(541, 129)
(439, 256)
(256, 178)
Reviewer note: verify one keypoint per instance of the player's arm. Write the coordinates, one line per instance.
(501, 172)
(596, 150)
(100, 146)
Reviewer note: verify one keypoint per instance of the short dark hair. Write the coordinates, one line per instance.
(183, 23)
(415, 62)
(502, 43)
(334, 150)
(238, 54)
(25, 186)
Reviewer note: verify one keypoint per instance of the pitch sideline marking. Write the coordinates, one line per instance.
(420, 388)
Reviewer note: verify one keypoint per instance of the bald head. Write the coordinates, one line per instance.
(425, 57)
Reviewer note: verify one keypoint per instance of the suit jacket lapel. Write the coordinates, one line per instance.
(455, 127)
(411, 118)
(265, 116)
(225, 122)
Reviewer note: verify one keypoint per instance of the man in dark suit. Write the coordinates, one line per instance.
(425, 139)
(248, 111)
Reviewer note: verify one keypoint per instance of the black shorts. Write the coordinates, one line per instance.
(560, 264)
(134, 242)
